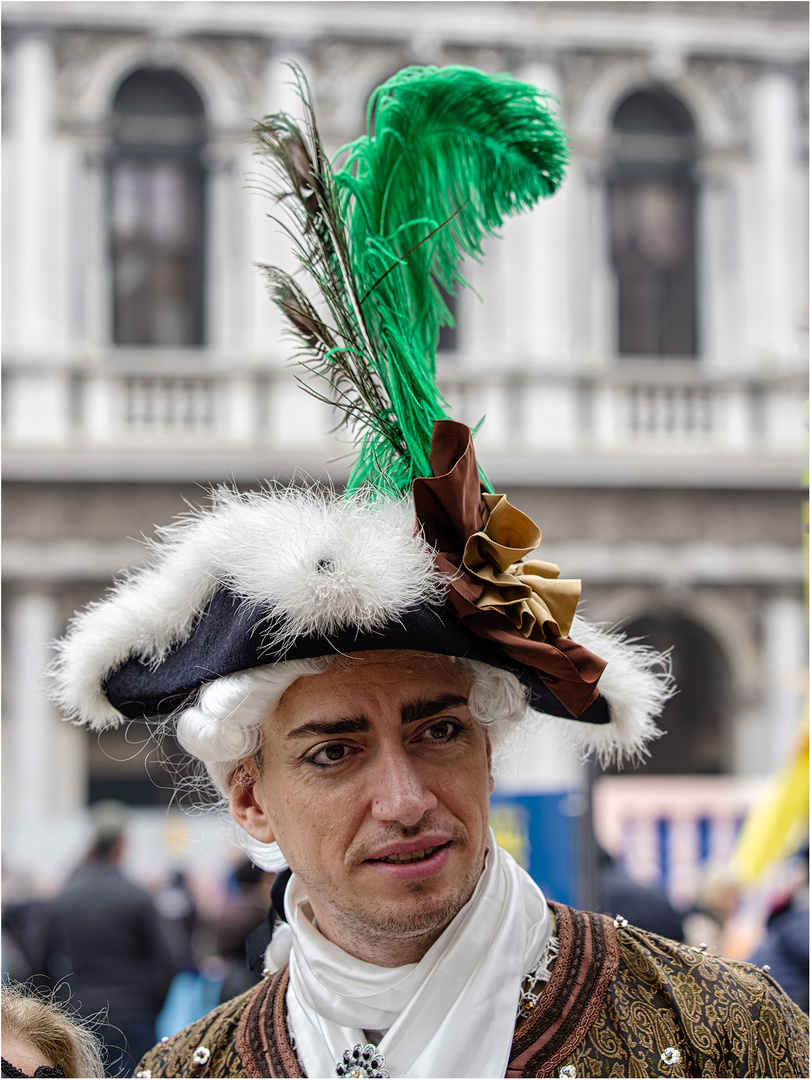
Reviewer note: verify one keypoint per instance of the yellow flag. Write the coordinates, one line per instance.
(778, 822)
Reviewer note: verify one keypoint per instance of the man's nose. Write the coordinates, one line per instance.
(400, 792)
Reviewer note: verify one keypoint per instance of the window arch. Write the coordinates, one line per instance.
(652, 201)
(695, 719)
(157, 210)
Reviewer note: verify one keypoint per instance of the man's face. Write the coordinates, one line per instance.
(375, 783)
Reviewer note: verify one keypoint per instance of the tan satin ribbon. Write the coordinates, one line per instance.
(527, 591)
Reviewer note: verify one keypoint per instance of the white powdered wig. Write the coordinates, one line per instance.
(636, 685)
(266, 547)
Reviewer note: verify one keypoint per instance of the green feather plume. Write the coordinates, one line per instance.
(451, 152)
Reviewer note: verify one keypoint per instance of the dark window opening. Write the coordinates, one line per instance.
(128, 765)
(156, 211)
(652, 200)
(694, 721)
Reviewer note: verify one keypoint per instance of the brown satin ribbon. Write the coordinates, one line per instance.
(481, 544)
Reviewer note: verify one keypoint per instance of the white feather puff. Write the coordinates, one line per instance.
(636, 685)
(316, 560)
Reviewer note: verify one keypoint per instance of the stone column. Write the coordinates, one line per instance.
(539, 273)
(592, 318)
(785, 664)
(265, 242)
(223, 269)
(32, 122)
(776, 220)
(43, 766)
(289, 411)
(94, 266)
(721, 322)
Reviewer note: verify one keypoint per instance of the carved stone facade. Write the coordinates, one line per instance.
(672, 485)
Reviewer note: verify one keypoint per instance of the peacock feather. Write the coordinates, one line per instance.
(449, 154)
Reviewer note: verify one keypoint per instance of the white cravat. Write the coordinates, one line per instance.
(450, 1015)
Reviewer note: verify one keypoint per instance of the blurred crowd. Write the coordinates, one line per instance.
(109, 967)
(133, 964)
(720, 919)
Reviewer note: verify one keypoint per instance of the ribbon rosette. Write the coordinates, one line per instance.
(481, 544)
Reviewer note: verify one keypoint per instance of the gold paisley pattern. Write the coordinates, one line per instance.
(726, 1019)
(618, 999)
(217, 1032)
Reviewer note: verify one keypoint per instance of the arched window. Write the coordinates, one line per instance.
(695, 718)
(156, 208)
(652, 212)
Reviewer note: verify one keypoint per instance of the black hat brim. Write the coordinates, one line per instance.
(232, 635)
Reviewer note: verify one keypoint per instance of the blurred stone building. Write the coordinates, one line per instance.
(640, 354)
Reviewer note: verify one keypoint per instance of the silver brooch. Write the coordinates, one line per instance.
(671, 1056)
(362, 1061)
(534, 981)
(201, 1055)
(568, 1071)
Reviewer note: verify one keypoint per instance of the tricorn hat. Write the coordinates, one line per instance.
(419, 553)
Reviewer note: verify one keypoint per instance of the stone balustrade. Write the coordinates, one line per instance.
(673, 417)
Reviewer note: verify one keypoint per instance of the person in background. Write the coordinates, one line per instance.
(43, 1038)
(178, 911)
(642, 905)
(718, 914)
(784, 947)
(102, 943)
(245, 908)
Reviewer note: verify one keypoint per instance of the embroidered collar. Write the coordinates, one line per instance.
(587, 959)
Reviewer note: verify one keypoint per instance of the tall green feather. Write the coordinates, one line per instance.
(449, 154)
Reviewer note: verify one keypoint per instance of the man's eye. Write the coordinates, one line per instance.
(441, 731)
(331, 754)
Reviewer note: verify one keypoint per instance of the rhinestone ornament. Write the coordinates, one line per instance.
(568, 1071)
(534, 981)
(620, 922)
(201, 1055)
(362, 1061)
(767, 968)
(144, 1074)
(671, 1056)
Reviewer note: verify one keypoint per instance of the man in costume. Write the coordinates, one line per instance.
(345, 666)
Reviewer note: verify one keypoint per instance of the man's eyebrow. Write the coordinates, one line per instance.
(420, 710)
(345, 726)
(411, 712)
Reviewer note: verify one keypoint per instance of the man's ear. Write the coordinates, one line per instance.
(246, 810)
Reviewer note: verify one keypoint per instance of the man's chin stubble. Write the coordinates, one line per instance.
(385, 927)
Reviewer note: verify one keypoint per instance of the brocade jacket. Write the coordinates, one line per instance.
(621, 1002)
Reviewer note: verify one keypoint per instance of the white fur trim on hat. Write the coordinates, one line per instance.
(265, 547)
(636, 684)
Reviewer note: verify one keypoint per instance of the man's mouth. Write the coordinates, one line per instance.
(407, 861)
(411, 856)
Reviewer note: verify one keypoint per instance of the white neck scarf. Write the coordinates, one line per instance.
(451, 1015)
